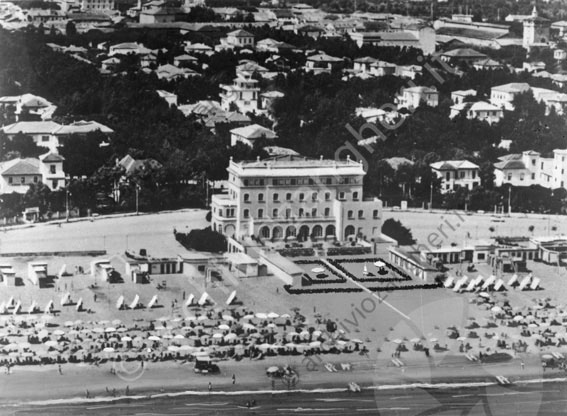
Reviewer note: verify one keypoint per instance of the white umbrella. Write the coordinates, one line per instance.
(315, 344)
(261, 315)
(154, 338)
(126, 339)
(433, 340)
(249, 316)
(122, 329)
(228, 318)
(98, 330)
(496, 309)
(110, 329)
(518, 318)
(415, 340)
(380, 264)
(248, 326)
(461, 339)
(318, 270)
(68, 323)
(51, 343)
(108, 349)
(217, 335)
(179, 336)
(224, 327)
(58, 332)
(173, 348)
(396, 341)
(273, 315)
(231, 336)
(190, 318)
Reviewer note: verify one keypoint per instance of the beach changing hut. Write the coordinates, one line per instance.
(102, 269)
(37, 272)
(525, 282)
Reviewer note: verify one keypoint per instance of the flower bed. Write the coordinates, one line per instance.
(403, 275)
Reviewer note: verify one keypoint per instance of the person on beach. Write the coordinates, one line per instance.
(522, 365)
(234, 379)
(60, 371)
(210, 387)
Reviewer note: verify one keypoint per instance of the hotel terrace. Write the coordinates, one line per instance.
(289, 197)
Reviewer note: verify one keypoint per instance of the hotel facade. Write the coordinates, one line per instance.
(294, 197)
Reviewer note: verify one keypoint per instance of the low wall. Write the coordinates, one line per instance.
(87, 253)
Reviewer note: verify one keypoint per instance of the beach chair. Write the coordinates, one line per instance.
(513, 281)
(525, 282)
(65, 299)
(489, 282)
(33, 307)
(79, 306)
(49, 307)
(449, 282)
(231, 298)
(498, 285)
(203, 299)
(470, 286)
(135, 303)
(535, 283)
(191, 299)
(17, 308)
(120, 303)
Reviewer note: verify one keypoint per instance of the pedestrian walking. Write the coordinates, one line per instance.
(522, 365)
(60, 371)
(210, 387)
(94, 297)
(234, 379)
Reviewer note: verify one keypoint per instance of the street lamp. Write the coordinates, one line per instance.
(137, 194)
(431, 196)
(67, 193)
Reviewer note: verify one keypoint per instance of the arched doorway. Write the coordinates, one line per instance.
(265, 232)
(330, 231)
(349, 231)
(303, 233)
(277, 233)
(229, 230)
(290, 231)
(317, 231)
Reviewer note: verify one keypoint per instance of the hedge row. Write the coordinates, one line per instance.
(295, 291)
(296, 252)
(348, 251)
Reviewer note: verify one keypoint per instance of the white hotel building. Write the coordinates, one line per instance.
(296, 197)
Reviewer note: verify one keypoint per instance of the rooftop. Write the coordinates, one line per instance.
(453, 165)
(254, 131)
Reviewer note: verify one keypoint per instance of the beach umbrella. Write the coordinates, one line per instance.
(202, 318)
(316, 333)
(51, 343)
(248, 326)
(380, 264)
(271, 326)
(186, 348)
(178, 336)
(176, 320)
(272, 370)
(415, 340)
(110, 329)
(273, 315)
(103, 322)
(167, 336)
(223, 327)
(462, 339)
(315, 344)
(98, 330)
(547, 357)
(108, 349)
(116, 322)
(249, 316)
(126, 339)
(68, 323)
(395, 341)
(544, 324)
(261, 315)
(496, 309)
(173, 348)
(433, 340)
(41, 334)
(190, 318)
(228, 318)
(78, 322)
(533, 325)
(58, 332)
(122, 329)
(318, 270)
(163, 319)
(217, 335)
(518, 318)
(357, 341)
(231, 336)
(285, 316)
(154, 338)
(484, 294)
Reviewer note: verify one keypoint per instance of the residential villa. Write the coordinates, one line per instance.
(459, 97)
(291, 197)
(422, 38)
(237, 39)
(503, 95)
(244, 93)
(28, 105)
(17, 175)
(249, 134)
(456, 174)
(322, 63)
(413, 97)
(480, 110)
(530, 168)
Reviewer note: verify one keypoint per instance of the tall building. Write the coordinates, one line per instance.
(536, 30)
(289, 197)
(97, 6)
(243, 92)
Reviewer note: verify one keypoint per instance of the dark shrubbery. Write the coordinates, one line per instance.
(394, 229)
(202, 240)
(348, 251)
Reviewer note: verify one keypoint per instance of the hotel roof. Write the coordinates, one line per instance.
(453, 165)
(254, 131)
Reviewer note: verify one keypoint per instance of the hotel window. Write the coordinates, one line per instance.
(341, 196)
(314, 212)
(260, 213)
(260, 197)
(52, 169)
(448, 176)
(474, 174)
(355, 196)
(509, 176)
(246, 197)
(327, 212)
(288, 213)
(314, 196)
(22, 180)
(301, 197)
(533, 175)
(350, 215)
(300, 212)
(288, 197)
(375, 214)
(10, 180)
(245, 182)
(327, 196)
(276, 197)
(275, 213)
(44, 138)
(55, 183)
(246, 213)
(360, 214)
(463, 174)
(521, 176)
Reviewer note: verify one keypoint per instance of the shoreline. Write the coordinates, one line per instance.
(165, 382)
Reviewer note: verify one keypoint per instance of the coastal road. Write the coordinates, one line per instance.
(114, 234)
(526, 400)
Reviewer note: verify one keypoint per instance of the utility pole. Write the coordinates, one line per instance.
(67, 204)
(509, 200)
(137, 197)
(431, 196)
